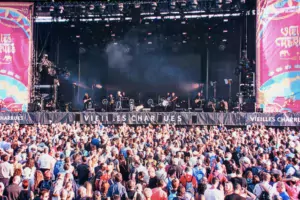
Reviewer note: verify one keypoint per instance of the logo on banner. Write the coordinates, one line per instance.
(7, 49)
(133, 118)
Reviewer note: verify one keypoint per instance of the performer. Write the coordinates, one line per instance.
(50, 106)
(173, 101)
(111, 103)
(198, 101)
(86, 101)
(223, 106)
(119, 101)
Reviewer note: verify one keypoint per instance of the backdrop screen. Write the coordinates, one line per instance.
(15, 55)
(278, 55)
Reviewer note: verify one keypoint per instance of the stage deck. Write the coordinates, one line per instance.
(178, 118)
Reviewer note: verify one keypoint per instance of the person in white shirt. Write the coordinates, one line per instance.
(6, 170)
(264, 186)
(213, 193)
(45, 161)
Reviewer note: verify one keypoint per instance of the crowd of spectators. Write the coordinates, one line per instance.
(157, 162)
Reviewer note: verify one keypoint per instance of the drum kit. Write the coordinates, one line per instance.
(164, 102)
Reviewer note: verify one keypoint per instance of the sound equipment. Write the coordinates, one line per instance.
(198, 110)
(90, 110)
(194, 119)
(77, 117)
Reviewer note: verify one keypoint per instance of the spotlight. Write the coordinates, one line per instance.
(228, 1)
(194, 4)
(154, 6)
(172, 5)
(51, 9)
(61, 9)
(92, 7)
(72, 25)
(225, 20)
(243, 1)
(225, 31)
(137, 5)
(219, 3)
(39, 8)
(77, 36)
(102, 8)
(121, 6)
(183, 4)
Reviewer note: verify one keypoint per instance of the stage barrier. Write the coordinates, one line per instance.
(144, 118)
(15, 55)
(278, 55)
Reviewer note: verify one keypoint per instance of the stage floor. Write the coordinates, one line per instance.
(143, 118)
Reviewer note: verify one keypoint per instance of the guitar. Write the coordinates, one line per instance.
(198, 100)
(174, 99)
(112, 102)
(86, 100)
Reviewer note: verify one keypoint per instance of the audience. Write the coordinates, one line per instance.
(87, 162)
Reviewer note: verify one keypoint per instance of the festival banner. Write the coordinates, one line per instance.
(144, 118)
(278, 55)
(15, 55)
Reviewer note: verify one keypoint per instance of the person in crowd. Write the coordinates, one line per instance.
(13, 191)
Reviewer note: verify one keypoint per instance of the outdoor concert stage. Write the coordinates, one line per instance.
(134, 118)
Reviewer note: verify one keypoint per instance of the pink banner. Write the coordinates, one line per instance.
(278, 55)
(15, 55)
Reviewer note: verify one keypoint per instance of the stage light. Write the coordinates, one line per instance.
(154, 6)
(172, 5)
(184, 33)
(228, 1)
(51, 9)
(149, 42)
(184, 42)
(39, 8)
(243, 1)
(137, 5)
(61, 9)
(183, 4)
(120, 6)
(92, 7)
(225, 20)
(102, 8)
(183, 22)
(194, 4)
(225, 31)
(98, 86)
(149, 33)
(72, 25)
(77, 36)
(219, 3)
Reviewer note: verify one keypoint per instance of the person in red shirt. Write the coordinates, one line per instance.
(187, 180)
(158, 193)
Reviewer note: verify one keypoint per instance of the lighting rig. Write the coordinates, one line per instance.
(128, 10)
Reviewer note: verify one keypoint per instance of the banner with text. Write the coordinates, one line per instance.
(15, 55)
(278, 55)
(144, 118)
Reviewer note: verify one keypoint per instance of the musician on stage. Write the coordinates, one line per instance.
(198, 101)
(173, 101)
(119, 101)
(86, 101)
(111, 103)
